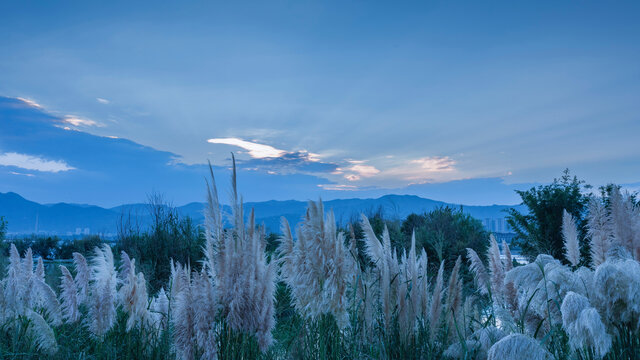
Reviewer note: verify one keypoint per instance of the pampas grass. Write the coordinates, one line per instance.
(338, 308)
(318, 267)
(102, 300)
(69, 296)
(570, 237)
(237, 265)
(584, 326)
(599, 230)
(518, 346)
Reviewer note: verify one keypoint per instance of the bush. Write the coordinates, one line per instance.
(169, 236)
(540, 230)
(445, 233)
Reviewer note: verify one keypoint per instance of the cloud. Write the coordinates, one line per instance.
(21, 174)
(29, 162)
(255, 150)
(426, 169)
(290, 162)
(360, 171)
(338, 187)
(30, 102)
(103, 101)
(76, 121)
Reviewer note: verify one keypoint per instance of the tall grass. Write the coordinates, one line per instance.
(315, 297)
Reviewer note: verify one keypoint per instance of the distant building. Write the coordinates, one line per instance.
(496, 225)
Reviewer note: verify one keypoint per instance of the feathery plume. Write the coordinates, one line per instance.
(42, 333)
(436, 303)
(496, 269)
(102, 310)
(183, 320)
(617, 290)
(49, 301)
(15, 283)
(319, 266)
(83, 274)
(480, 272)
(570, 236)
(518, 346)
(69, 296)
(599, 231)
(454, 302)
(508, 260)
(160, 310)
(625, 216)
(584, 325)
(39, 274)
(243, 277)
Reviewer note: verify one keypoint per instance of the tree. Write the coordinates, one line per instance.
(540, 230)
(445, 233)
(3, 228)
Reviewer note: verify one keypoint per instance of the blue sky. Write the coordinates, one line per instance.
(458, 101)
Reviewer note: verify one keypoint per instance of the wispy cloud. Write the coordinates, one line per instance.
(77, 121)
(21, 174)
(255, 150)
(29, 162)
(424, 169)
(359, 171)
(30, 102)
(103, 101)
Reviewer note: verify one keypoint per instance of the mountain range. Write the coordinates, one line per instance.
(28, 217)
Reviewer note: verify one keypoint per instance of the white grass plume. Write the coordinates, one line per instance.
(49, 301)
(318, 266)
(42, 334)
(617, 290)
(101, 304)
(39, 273)
(453, 309)
(599, 230)
(570, 236)
(83, 273)
(69, 296)
(518, 346)
(584, 325)
(496, 270)
(15, 284)
(436, 303)
(159, 310)
(183, 321)
(133, 296)
(243, 277)
(480, 271)
(625, 217)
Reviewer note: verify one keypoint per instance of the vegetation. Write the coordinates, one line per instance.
(540, 230)
(3, 228)
(446, 233)
(169, 237)
(311, 296)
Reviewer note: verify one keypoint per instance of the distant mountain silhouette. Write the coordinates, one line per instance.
(69, 219)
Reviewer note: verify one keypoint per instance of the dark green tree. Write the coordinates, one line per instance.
(540, 230)
(445, 233)
(3, 228)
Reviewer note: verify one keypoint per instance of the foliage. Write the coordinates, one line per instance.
(394, 306)
(540, 230)
(170, 236)
(445, 233)
(3, 228)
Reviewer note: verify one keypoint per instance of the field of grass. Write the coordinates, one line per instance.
(318, 293)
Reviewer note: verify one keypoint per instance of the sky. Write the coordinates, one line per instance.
(457, 101)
